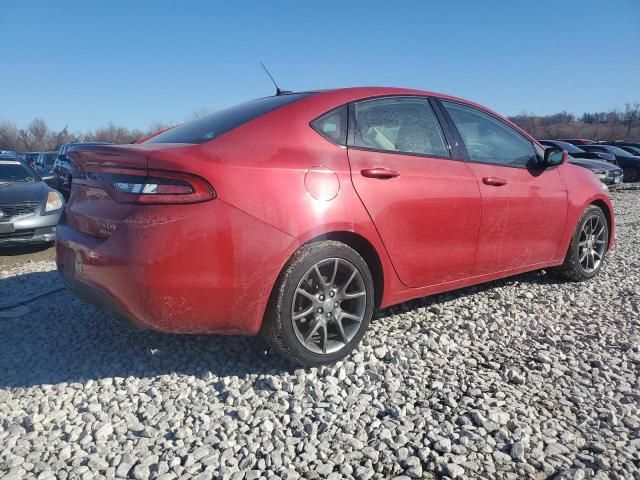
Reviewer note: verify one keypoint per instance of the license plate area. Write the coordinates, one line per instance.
(7, 228)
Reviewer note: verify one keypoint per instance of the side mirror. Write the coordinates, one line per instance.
(555, 156)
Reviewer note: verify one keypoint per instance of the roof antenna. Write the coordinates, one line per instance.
(279, 91)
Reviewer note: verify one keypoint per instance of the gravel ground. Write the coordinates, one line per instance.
(17, 255)
(528, 377)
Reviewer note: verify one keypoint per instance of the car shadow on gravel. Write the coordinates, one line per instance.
(435, 301)
(62, 339)
(23, 249)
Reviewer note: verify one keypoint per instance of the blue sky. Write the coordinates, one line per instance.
(85, 63)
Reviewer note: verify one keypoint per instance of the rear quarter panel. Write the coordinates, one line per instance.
(260, 168)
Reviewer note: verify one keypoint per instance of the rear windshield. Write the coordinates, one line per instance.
(213, 125)
(16, 171)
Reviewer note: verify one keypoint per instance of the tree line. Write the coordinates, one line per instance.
(38, 137)
(614, 125)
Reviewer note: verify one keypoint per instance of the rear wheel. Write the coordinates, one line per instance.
(630, 174)
(588, 246)
(322, 304)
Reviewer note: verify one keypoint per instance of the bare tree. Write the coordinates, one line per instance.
(9, 136)
(631, 114)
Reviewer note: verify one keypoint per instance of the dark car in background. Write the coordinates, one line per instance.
(622, 143)
(630, 163)
(30, 158)
(609, 174)
(578, 141)
(579, 152)
(62, 166)
(627, 148)
(29, 208)
(44, 163)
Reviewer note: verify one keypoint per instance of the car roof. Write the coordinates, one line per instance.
(350, 94)
(365, 92)
(73, 144)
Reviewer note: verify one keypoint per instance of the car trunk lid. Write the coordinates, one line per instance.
(91, 208)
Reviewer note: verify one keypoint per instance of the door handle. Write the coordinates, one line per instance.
(380, 173)
(494, 181)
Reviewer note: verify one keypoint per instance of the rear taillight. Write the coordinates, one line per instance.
(152, 186)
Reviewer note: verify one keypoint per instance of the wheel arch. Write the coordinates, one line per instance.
(366, 250)
(608, 215)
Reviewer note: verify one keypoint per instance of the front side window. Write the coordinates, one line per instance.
(487, 139)
(213, 125)
(403, 124)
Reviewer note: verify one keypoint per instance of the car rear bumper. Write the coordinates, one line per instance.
(202, 268)
(97, 296)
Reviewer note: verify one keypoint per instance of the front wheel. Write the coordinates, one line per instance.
(588, 246)
(321, 306)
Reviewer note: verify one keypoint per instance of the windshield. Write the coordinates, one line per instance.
(567, 146)
(617, 151)
(212, 126)
(16, 171)
(632, 150)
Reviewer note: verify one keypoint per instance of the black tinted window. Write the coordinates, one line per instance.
(402, 124)
(213, 125)
(489, 140)
(333, 125)
(16, 171)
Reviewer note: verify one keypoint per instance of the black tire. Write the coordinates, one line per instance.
(630, 175)
(278, 326)
(573, 269)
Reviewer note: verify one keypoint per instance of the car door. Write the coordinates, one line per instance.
(424, 202)
(524, 207)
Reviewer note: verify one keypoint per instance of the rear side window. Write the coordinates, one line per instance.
(333, 125)
(487, 139)
(401, 124)
(213, 125)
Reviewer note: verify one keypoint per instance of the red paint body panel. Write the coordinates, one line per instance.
(523, 220)
(428, 217)
(171, 273)
(210, 266)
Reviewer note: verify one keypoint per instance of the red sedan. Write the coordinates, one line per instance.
(297, 215)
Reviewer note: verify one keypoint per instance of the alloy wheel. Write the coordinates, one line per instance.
(591, 244)
(329, 306)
